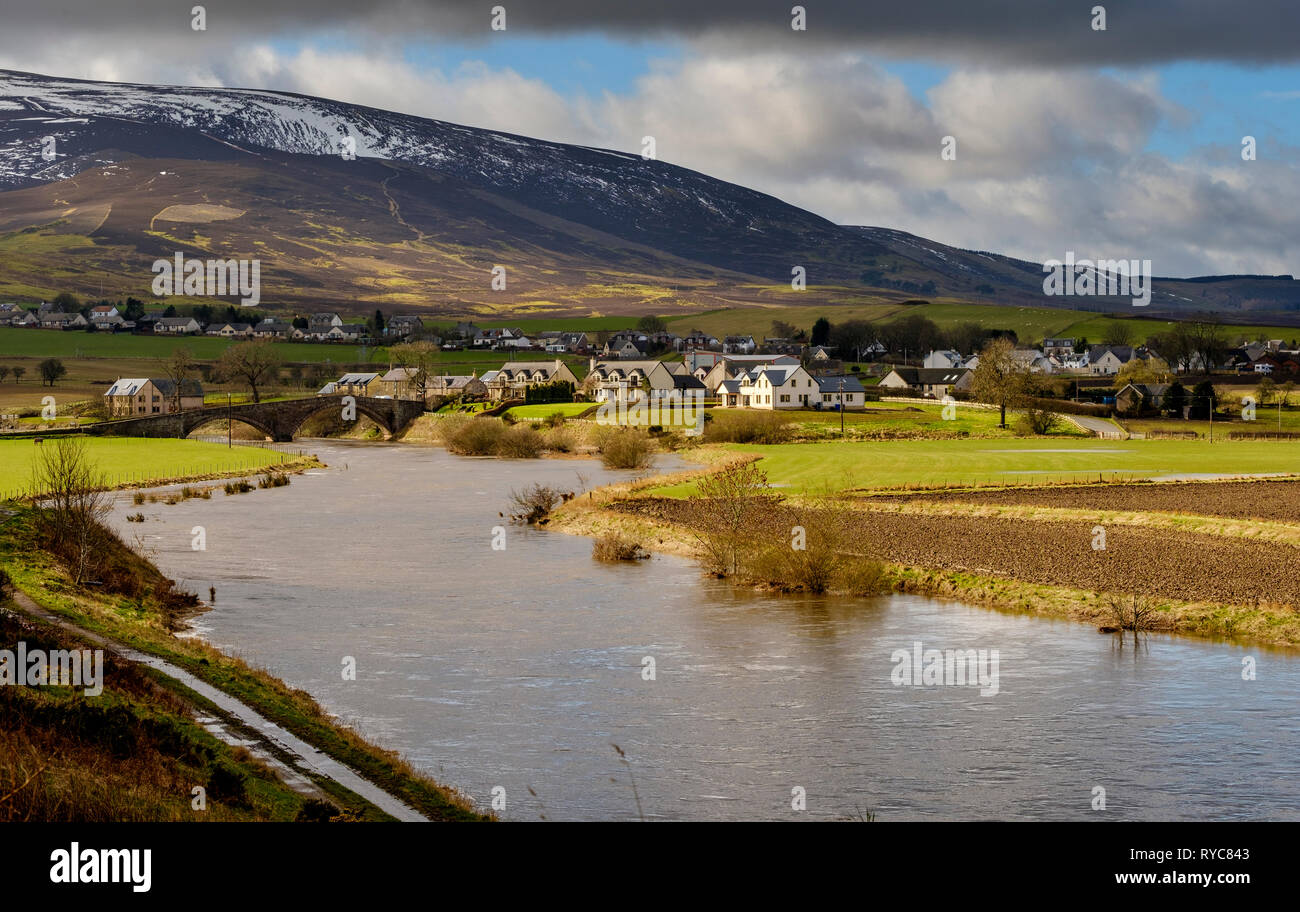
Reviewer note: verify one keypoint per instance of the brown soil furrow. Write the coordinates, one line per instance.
(1159, 563)
(1272, 501)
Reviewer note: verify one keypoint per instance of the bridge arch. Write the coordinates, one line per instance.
(290, 425)
(248, 421)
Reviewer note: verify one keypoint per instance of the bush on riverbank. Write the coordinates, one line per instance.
(626, 448)
(467, 436)
(743, 529)
(535, 502)
(748, 426)
(613, 547)
(520, 442)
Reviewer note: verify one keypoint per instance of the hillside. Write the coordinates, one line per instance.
(419, 217)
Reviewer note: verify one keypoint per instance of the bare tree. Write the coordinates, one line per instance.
(72, 505)
(727, 506)
(419, 360)
(178, 367)
(1208, 344)
(254, 364)
(999, 379)
(1117, 333)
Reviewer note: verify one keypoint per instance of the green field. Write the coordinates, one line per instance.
(567, 409)
(907, 416)
(48, 343)
(1031, 324)
(127, 460)
(897, 463)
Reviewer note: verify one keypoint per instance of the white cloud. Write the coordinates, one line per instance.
(1047, 160)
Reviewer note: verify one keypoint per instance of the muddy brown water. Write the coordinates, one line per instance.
(521, 668)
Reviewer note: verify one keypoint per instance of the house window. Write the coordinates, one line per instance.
(785, 398)
(155, 408)
(827, 397)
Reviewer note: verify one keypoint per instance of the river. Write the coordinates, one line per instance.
(522, 668)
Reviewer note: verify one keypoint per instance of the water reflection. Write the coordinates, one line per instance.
(523, 668)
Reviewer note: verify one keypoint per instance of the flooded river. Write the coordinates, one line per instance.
(523, 667)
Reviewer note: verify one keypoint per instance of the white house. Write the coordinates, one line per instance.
(177, 326)
(772, 388)
(739, 345)
(1108, 359)
(943, 358)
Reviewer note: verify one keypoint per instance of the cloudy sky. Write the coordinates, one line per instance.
(1125, 142)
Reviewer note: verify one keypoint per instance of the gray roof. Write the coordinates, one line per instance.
(931, 376)
(129, 386)
(832, 385)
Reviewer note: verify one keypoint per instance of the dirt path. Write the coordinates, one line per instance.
(292, 758)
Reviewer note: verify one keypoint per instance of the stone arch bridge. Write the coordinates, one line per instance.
(277, 420)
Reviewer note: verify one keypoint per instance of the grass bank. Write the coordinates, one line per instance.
(1023, 558)
(141, 611)
(142, 462)
(134, 752)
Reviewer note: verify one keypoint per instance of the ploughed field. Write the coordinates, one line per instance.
(1270, 501)
(1151, 561)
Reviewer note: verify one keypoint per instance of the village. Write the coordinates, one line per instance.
(631, 366)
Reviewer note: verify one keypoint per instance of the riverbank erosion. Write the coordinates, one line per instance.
(1210, 559)
(139, 749)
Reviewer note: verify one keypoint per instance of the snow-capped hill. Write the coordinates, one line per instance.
(605, 180)
(596, 211)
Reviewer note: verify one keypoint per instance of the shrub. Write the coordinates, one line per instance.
(137, 498)
(614, 547)
(239, 486)
(730, 505)
(861, 576)
(561, 440)
(748, 426)
(1037, 420)
(6, 584)
(273, 480)
(228, 784)
(473, 436)
(535, 502)
(554, 420)
(520, 442)
(138, 517)
(314, 810)
(626, 448)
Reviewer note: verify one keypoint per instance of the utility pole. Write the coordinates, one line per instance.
(841, 408)
(229, 428)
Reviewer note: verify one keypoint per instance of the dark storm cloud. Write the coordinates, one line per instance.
(987, 31)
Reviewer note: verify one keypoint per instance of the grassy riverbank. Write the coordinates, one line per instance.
(135, 752)
(143, 462)
(1026, 556)
(138, 607)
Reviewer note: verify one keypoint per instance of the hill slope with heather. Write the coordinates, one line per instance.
(425, 209)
